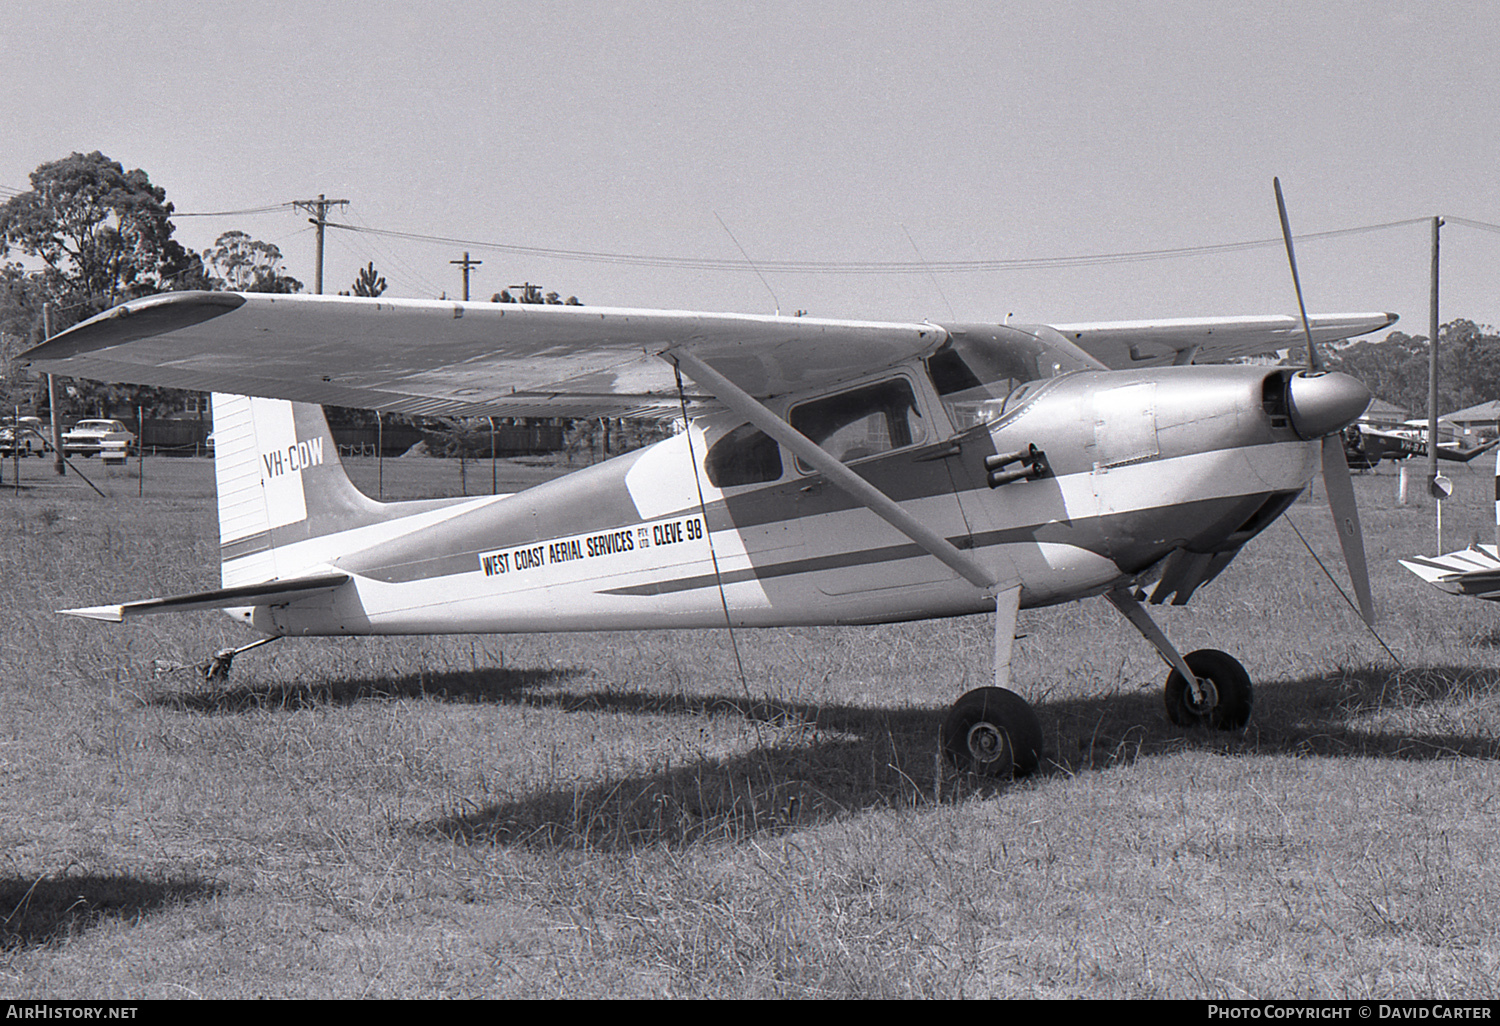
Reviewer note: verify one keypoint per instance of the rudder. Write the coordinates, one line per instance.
(279, 481)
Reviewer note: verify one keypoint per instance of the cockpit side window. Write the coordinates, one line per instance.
(949, 372)
(980, 365)
(864, 421)
(747, 455)
(973, 382)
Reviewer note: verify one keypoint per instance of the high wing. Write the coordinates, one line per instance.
(436, 358)
(1123, 344)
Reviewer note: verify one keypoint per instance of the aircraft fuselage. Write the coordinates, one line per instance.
(1160, 467)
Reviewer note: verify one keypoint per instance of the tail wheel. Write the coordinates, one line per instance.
(1226, 686)
(993, 732)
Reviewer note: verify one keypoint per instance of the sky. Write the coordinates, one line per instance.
(930, 141)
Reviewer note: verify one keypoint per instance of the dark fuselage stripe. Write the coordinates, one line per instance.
(842, 560)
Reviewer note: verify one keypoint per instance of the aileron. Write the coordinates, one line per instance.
(1124, 344)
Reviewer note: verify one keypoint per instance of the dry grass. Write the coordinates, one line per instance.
(616, 815)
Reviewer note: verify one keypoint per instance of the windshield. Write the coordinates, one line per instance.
(980, 369)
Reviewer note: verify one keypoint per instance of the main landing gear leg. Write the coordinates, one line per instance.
(1205, 687)
(993, 731)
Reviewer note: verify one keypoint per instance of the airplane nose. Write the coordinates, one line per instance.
(1322, 402)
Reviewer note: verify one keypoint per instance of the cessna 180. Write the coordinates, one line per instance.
(828, 472)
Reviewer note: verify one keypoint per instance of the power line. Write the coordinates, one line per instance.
(1481, 225)
(237, 213)
(374, 247)
(871, 267)
(864, 267)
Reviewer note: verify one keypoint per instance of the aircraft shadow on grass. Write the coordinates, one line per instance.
(1488, 639)
(816, 763)
(490, 685)
(819, 762)
(39, 913)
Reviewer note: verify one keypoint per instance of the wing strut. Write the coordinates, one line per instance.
(746, 405)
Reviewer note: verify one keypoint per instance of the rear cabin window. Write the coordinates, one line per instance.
(863, 422)
(747, 455)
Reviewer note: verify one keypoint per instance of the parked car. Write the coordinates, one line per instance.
(88, 437)
(28, 435)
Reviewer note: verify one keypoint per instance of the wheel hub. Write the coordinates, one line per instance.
(1209, 701)
(986, 742)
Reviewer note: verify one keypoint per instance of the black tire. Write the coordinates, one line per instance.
(993, 732)
(1230, 709)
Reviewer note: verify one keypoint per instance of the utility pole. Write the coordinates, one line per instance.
(1432, 369)
(1438, 486)
(320, 205)
(466, 263)
(58, 466)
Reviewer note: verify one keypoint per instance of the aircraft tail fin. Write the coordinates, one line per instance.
(280, 482)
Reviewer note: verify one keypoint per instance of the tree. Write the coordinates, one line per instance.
(104, 233)
(249, 265)
(1395, 368)
(21, 299)
(533, 294)
(22, 296)
(369, 283)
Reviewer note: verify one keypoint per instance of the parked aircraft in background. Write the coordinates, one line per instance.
(829, 472)
(1474, 571)
(1365, 447)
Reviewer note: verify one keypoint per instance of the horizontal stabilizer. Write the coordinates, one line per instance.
(269, 593)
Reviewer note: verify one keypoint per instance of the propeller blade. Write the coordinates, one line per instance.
(1340, 488)
(1313, 363)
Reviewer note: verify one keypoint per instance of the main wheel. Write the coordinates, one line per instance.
(1226, 703)
(993, 732)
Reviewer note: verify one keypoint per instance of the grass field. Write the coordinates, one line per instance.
(619, 815)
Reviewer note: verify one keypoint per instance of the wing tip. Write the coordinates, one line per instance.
(132, 320)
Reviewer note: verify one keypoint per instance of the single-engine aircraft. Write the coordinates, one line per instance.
(1474, 571)
(828, 471)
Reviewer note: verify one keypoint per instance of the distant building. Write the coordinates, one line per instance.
(1482, 420)
(1383, 416)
